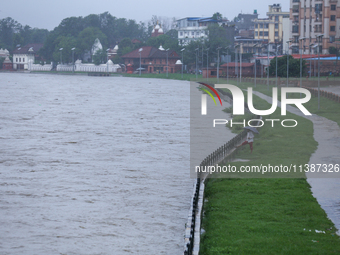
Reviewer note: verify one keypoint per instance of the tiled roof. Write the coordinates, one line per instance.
(232, 64)
(25, 49)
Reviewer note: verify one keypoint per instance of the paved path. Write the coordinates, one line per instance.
(333, 89)
(325, 186)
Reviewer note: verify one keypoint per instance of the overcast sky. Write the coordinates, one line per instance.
(49, 13)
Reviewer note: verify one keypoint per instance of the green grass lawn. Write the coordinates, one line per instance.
(268, 215)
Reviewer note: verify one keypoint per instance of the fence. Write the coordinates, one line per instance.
(329, 95)
(38, 67)
(193, 225)
(79, 67)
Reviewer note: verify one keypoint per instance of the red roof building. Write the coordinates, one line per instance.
(22, 56)
(153, 60)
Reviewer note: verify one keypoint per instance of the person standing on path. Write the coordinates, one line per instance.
(249, 140)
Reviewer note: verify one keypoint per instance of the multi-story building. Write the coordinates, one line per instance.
(194, 28)
(23, 56)
(311, 18)
(271, 29)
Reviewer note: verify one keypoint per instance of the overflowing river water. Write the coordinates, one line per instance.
(93, 165)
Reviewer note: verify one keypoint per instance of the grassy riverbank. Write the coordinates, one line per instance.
(268, 216)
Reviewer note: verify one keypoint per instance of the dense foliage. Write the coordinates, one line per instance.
(294, 67)
(13, 33)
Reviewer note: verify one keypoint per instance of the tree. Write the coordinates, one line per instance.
(217, 16)
(166, 41)
(87, 37)
(294, 67)
(99, 57)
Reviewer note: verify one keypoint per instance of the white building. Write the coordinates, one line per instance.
(193, 28)
(22, 56)
(4, 53)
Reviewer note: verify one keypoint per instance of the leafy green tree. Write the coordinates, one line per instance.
(166, 41)
(87, 37)
(294, 67)
(217, 16)
(67, 43)
(99, 57)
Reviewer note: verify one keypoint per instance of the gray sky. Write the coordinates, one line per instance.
(49, 13)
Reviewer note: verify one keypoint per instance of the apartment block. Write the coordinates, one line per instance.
(311, 18)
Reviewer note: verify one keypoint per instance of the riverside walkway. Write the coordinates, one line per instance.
(325, 186)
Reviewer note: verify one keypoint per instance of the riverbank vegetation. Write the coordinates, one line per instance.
(268, 215)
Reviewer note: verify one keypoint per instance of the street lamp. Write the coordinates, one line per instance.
(182, 60)
(301, 39)
(268, 65)
(61, 56)
(18, 48)
(196, 52)
(241, 62)
(140, 61)
(319, 37)
(207, 62)
(73, 59)
(288, 60)
(107, 60)
(277, 47)
(255, 63)
(167, 66)
(218, 63)
(310, 59)
(227, 64)
(236, 71)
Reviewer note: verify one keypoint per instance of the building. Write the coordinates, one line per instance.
(4, 53)
(111, 53)
(152, 60)
(193, 28)
(22, 56)
(157, 30)
(7, 64)
(271, 29)
(311, 18)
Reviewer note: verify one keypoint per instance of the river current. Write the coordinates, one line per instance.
(93, 165)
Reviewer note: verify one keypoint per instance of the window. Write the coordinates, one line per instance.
(197, 33)
(266, 26)
(276, 18)
(318, 8)
(276, 33)
(16, 60)
(194, 24)
(23, 60)
(332, 38)
(261, 25)
(295, 29)
(181, 33)
(256, 33)
(19, 59)
(266, 33)
(192, 33)
(332, 28)
(276, 26)
(332, 17)
(261, 33)
(333, 7)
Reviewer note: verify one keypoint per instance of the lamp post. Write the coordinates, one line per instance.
(182, 60)
(255, 64)
(310, 60)
(61, 56)
(240, 62)
(196, 50)
(218, 63)
(268, 66)
(236, 72)
(73, 59)
(288, 60)
(301, 39)
(107, 60)
(167, 66)
(319, 40)
(140, 61)
(18, 48)
(207, 63)
(227, 64)
(277, 47)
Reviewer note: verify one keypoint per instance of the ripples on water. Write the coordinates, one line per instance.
(93, 165)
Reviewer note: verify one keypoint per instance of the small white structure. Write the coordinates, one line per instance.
(38, 67)
(80, 67)
(96, 46)
(4, 53)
